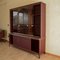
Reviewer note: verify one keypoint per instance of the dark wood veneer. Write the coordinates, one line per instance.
(30, 37)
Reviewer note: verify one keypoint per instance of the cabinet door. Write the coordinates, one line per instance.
(36, 27)
(36, 20)
(16, 41)
(22, 42)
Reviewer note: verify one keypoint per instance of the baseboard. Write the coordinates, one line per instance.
(53, 55)
(4, 40)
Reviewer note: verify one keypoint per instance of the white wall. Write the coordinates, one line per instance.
(52, 21)
(53, 41)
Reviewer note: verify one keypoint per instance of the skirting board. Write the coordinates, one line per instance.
(53, 55)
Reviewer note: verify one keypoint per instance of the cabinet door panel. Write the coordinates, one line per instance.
(25, 42)
(22, 42)
(16, 41)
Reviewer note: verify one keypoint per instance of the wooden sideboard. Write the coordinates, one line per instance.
(28, 27)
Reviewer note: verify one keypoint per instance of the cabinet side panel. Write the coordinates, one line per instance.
(11, 21)
(43, 28)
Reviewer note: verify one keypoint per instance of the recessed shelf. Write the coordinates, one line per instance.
(35, 45)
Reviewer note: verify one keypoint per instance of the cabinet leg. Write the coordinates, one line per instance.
(9, 44)
(39, 55)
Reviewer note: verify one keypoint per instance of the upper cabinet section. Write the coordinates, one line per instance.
(27, 19)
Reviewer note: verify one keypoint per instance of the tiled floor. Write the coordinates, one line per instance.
(12, 53)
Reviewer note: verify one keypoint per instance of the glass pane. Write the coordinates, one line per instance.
(26, 18)
(20, 18)
(15, 20)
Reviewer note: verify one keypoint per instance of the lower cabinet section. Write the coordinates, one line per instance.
(26, 43)
(31, 44)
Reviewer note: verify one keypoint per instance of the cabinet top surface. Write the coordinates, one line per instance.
(25, 35)
(27, 6)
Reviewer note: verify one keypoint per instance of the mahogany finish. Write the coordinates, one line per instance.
(30, 36)
(22, 42)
